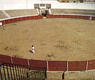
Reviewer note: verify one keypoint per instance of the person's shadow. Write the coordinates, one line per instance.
(30, 51)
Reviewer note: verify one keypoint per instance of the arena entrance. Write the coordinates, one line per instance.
(63, 76)
(44, 13)
(43, 9)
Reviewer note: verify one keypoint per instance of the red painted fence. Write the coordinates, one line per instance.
(21, 19)
(91, 64)
(37, 64)
(77, 65)
(20, 61)
(71, 16)
(5, 59)
(93, 18)
(50, 65)
(57, 65)
(48, 16)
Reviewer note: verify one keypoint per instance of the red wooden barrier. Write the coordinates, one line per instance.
(5, 59)
(6, 21)
(2, 22)
(77, 65)
(93, 18)
(52, 65)
(57, 65)
(91, 64)
(38, 64)
(21, 18)
(19, 61)
(68, 16)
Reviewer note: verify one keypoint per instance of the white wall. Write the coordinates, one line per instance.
(29, 4)
(74, 5)
(12, 4)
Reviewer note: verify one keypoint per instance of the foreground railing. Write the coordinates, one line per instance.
(21, 72)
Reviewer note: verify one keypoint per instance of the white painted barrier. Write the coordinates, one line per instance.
(1, 24)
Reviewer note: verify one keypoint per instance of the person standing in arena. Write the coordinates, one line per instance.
(33, 49)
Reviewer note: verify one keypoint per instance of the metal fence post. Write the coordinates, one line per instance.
(7, 71)
(4, 71)
(1, 73)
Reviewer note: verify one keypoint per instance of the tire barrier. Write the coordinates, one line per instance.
(49, 65)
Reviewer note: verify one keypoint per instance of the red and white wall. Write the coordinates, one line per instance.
(50, 65)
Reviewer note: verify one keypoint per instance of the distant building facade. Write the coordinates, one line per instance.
(81, 1)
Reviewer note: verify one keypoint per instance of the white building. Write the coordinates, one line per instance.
(29, 4)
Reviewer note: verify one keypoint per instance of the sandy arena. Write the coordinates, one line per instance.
(54, 39)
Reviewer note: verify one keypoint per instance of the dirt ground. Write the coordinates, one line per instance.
(54, 39)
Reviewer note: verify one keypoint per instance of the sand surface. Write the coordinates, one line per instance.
(53, 39)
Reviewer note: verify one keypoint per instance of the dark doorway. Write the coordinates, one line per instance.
(81, 1)
(63, 76)
(45, 13)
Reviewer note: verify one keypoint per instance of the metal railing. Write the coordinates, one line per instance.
(21, 72)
